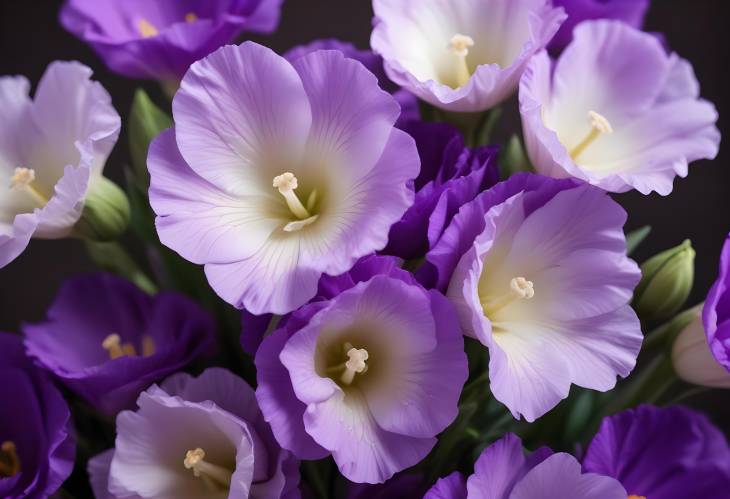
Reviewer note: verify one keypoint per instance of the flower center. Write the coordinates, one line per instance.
(636, 497)
(287, 183)
(599, 126)
(459, 46)
(355, 364)
(519, 289)
(22, 180)
(215, 477)
(148, 30)
(113, 344)
(9, 461)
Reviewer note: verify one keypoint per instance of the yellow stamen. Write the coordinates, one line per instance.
(636, 497)
(9, 460)
(22, 180)
(599, 126)
(113, 344)
(459, 46)
(148, 346)
(191, 17)
(146, 28)
(216, 477)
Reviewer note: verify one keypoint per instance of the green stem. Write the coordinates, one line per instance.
(646, 387)
(112, 257)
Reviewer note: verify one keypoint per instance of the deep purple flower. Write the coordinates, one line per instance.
(465, 55)
(52, 153)
(107, 341)
(503, 471)
(193, 438)
(669, 453)
(160, 39)
(716, 312)
(631, 12)
(616, 110)
(298, 173)
(401, 485)
(37, 448)
(370, 376)
(538, 271)
(451, 175)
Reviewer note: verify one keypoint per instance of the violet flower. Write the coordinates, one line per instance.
(37, 448)
(669, 453)
(451, 175)
(503, 471)
(193, 438)
(52, 153)
(464, 56)
(370, 377)
(107, 341)
(616, 110)
(538, 271)
(298, 173)
(631, 12)
(160, 39)
(716, 312)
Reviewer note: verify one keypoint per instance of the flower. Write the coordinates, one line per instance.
(616, 111)
(195, 437)
(504, 472)
(464, 56)
(716, 312)
(631, 12)
(297, 174)
(37, 448)
(107, 341)
(538, 271)
(52, 151)
(370, 376)
(160, 39)
(451, 175)
(691, 356)
(663, 453)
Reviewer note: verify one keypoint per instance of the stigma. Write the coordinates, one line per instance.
(459, 46)
(216, 477)
(356, 363)
(287, 183)
(147, 29)
(522, 288)
(519, 289)
(9, 460)
(116, 349)
(599, 126)
(23, 180)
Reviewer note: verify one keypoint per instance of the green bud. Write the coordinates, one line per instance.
(666, 282)
(106, 212)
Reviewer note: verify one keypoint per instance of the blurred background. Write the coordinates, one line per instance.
(699, 208)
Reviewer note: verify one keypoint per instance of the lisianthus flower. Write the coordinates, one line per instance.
(369, 377)
(298, 173)
(401, 485)
(538, 271)
(37, 448)
(692, 358)
(631, 12)
(616, 110)
(451, 175)
(192, 438)
(662, 453)
(107, 341)
(160, 39)
(716, 312)
(503, 471)
(465, 55)
(52, 153)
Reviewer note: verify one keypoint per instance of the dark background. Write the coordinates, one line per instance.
(30, 38)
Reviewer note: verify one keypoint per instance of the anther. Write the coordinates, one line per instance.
(287, 183)
(215, 476)
(146, 29)
(113, 345)
(599, 126)
(9, 460)
(191, 17)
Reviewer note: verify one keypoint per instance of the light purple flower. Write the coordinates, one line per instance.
(160, 39)
(503, 471)
(52, 152)
(631, 12)
(461, 55)
(297, 173)
(662, 453)
(370, 377)
(538, 271)
(107, 341)
(716, 312)
(192, 438)
(37, 448)
(616, 110)
(693, 360)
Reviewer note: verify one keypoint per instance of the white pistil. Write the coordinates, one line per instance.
(22, 180)
(216, 477)
(459, 46)
(113, 344)
(287, 183)
(519, 289)
(354, 365)
(599, 126)
(522, 288)
(146, 28)
(9, 460)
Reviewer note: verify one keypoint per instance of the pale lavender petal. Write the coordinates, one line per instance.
(452, 486)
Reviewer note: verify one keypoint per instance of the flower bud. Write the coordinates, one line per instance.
(106, 212)
(693, 362)
(666, 282)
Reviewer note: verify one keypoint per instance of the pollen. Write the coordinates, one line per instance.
(191, 17)
(116, 349)
(287, 183)
(216, 477)
(9, 460)
(599, 126)
(147, 29)
(636, 497)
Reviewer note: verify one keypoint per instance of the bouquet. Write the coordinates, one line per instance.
(334, 272)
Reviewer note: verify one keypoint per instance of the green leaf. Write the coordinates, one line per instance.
(146, 121)
(514, 159)
(636, 237)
